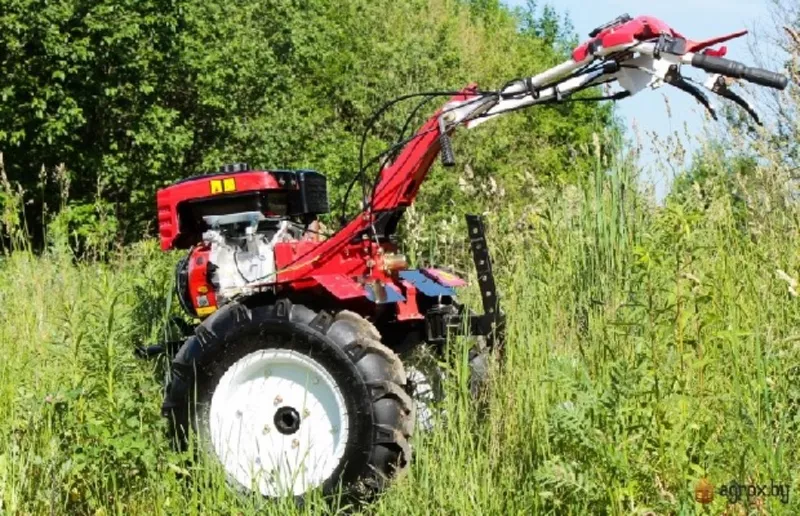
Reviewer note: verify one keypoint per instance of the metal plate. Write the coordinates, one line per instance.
(382, 294)
(426, 285)
(447, 279)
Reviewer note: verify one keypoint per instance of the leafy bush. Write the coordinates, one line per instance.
(132, 95)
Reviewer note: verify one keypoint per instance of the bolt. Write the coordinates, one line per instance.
(449, 117)
(239, 414)
(315, 381)
(295, 443)
(265, 431)
(278, 400)
(306, 412)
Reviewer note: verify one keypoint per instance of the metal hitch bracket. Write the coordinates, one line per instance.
(445, 319)
(492, 321)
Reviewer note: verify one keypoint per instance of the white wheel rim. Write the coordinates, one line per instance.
(289, 455)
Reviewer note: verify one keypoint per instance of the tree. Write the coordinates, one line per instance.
(134, 94)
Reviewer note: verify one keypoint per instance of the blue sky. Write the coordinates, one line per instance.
(698, 19)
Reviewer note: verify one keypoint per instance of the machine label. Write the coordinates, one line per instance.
(223, 185)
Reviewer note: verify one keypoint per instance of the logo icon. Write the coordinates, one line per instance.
(704, 491)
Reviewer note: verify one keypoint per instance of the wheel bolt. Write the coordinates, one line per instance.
(295, 443)
(306, 412)
(278, 400)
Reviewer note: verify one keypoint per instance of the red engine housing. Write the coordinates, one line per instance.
(182, 206)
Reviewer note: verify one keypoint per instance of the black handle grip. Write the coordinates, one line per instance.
(448, 156)
(740, 71)
(767, 78)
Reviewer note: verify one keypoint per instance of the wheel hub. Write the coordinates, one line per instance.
(287, 420)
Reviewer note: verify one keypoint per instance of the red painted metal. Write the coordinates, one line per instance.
(340, 286)
(697, 46)
(638, 29)
(408, 310)
(201, 292)
(645, 28)
(200, 187)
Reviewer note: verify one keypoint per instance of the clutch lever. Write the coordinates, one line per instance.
(717, 84)
(674, 78)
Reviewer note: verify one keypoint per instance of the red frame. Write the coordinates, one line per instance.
(299, 262)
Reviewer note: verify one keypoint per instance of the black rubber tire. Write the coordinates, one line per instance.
(371, 378)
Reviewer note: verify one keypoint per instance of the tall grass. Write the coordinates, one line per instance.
(648, 347)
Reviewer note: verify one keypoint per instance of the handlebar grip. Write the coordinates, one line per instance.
(767, 78)
(448, 156)
(740, 71)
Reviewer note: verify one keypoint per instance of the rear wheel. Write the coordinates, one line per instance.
(427, 377)
(289, 400)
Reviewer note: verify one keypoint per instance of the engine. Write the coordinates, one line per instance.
(230, 222)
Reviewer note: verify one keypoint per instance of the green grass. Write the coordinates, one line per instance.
(648, 347)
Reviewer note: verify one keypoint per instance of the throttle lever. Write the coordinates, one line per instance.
(718, 85)
(674, 78)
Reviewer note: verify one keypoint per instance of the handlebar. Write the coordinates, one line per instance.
(639, 53)
(738, 70)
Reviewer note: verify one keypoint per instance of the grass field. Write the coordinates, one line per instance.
(648, 347)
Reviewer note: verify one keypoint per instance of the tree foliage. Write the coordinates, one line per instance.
(133, 94)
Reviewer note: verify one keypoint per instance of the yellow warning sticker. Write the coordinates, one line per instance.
(206, 310)
(219, 186)
(216, 186)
